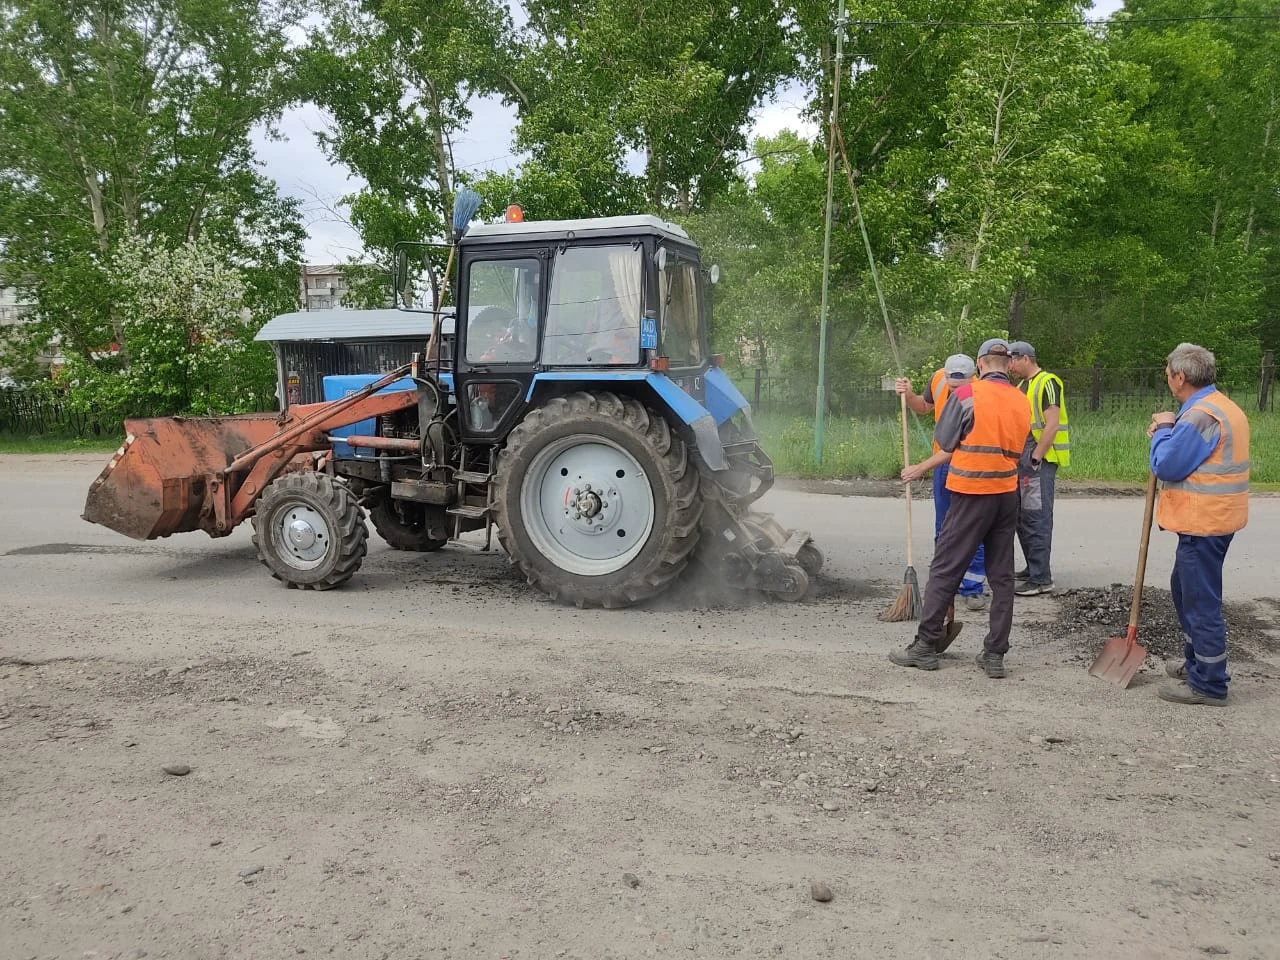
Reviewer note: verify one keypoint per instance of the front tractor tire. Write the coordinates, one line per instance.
(310, 531)
(597, 501)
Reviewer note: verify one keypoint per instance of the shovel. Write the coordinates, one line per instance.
(1122, 656)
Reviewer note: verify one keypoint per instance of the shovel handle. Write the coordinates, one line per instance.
(1148, 514)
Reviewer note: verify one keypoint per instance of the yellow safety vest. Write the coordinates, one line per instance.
(1060, 452)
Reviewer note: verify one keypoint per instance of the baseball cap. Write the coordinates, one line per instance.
(1020, 348)
(996, 345)
(959, 367)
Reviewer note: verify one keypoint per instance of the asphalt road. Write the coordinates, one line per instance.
(49, 556)
(435, 760)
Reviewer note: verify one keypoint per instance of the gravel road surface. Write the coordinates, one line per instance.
(435, 761)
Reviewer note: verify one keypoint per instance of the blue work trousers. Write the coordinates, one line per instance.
(1196, 586)
(976, 575)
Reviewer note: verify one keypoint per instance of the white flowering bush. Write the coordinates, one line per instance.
(184, 336)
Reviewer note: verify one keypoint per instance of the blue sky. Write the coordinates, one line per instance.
(298, 166)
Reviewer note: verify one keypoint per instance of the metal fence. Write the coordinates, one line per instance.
(25, 413)
(1094, 389)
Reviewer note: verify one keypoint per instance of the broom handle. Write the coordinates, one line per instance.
(906, 460)
(1136, 606)
(433, 342)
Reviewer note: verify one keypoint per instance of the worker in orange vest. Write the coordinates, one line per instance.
(957, 369)
(1201, 458)
(980, 433)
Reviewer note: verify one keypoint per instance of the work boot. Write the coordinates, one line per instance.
(1184, 693)
(1176, 669)
(1030, 588)
(977, 602)
(1023, 574)
(920, 654)
(992, 664)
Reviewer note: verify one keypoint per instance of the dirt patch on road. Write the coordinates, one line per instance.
(1090, 616)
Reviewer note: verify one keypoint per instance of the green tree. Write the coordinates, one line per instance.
(397, 80)
(183, 311)
(121, 119)
(1213, 94)
(666, 87)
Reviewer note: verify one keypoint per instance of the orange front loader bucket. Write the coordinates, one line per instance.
(175, 474)
(157, 482)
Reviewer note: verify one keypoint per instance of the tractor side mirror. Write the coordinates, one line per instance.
(415, 280)
(400, 272)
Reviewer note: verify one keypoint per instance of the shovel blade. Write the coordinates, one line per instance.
(1120, 659)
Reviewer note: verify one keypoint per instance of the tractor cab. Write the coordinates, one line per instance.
(546, 302)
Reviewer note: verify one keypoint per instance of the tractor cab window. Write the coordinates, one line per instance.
(502, 311)
(678, 313)
(593, 313)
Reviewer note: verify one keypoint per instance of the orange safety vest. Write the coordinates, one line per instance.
(987, 459)
(1214, 500)
(940, 387)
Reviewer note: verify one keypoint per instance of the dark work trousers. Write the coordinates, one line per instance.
(1196, 586)
(976, 575)
(1035, 528)
(972, 519)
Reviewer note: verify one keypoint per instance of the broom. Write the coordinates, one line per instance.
(465, 205)
(907, 606)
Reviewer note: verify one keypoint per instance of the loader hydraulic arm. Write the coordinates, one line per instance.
(305, 429)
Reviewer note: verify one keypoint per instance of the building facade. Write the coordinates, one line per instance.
(323, 287)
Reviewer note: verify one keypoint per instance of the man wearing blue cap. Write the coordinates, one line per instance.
(958, 369)
(980, 433)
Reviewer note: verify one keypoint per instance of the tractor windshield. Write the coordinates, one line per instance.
(593, 313)
(678, 318)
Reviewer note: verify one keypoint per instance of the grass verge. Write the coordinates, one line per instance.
(1107, 447)
(43, 444)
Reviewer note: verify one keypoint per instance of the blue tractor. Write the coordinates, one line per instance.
(566, 399)
(578, 408)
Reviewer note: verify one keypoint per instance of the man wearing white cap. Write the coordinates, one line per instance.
(957, 369)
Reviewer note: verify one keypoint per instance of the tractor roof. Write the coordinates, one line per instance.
(594, 227)
(330, 325)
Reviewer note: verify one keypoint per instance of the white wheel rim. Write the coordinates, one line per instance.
(587, 505)
(303, 536)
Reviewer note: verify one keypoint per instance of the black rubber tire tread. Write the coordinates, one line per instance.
(399, 535)
(673, 476)
(342, 514)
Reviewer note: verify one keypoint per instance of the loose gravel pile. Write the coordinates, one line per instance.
(1090, 616)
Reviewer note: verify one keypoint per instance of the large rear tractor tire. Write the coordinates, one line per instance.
(403, 524)
(310, 531)
(597, 501)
